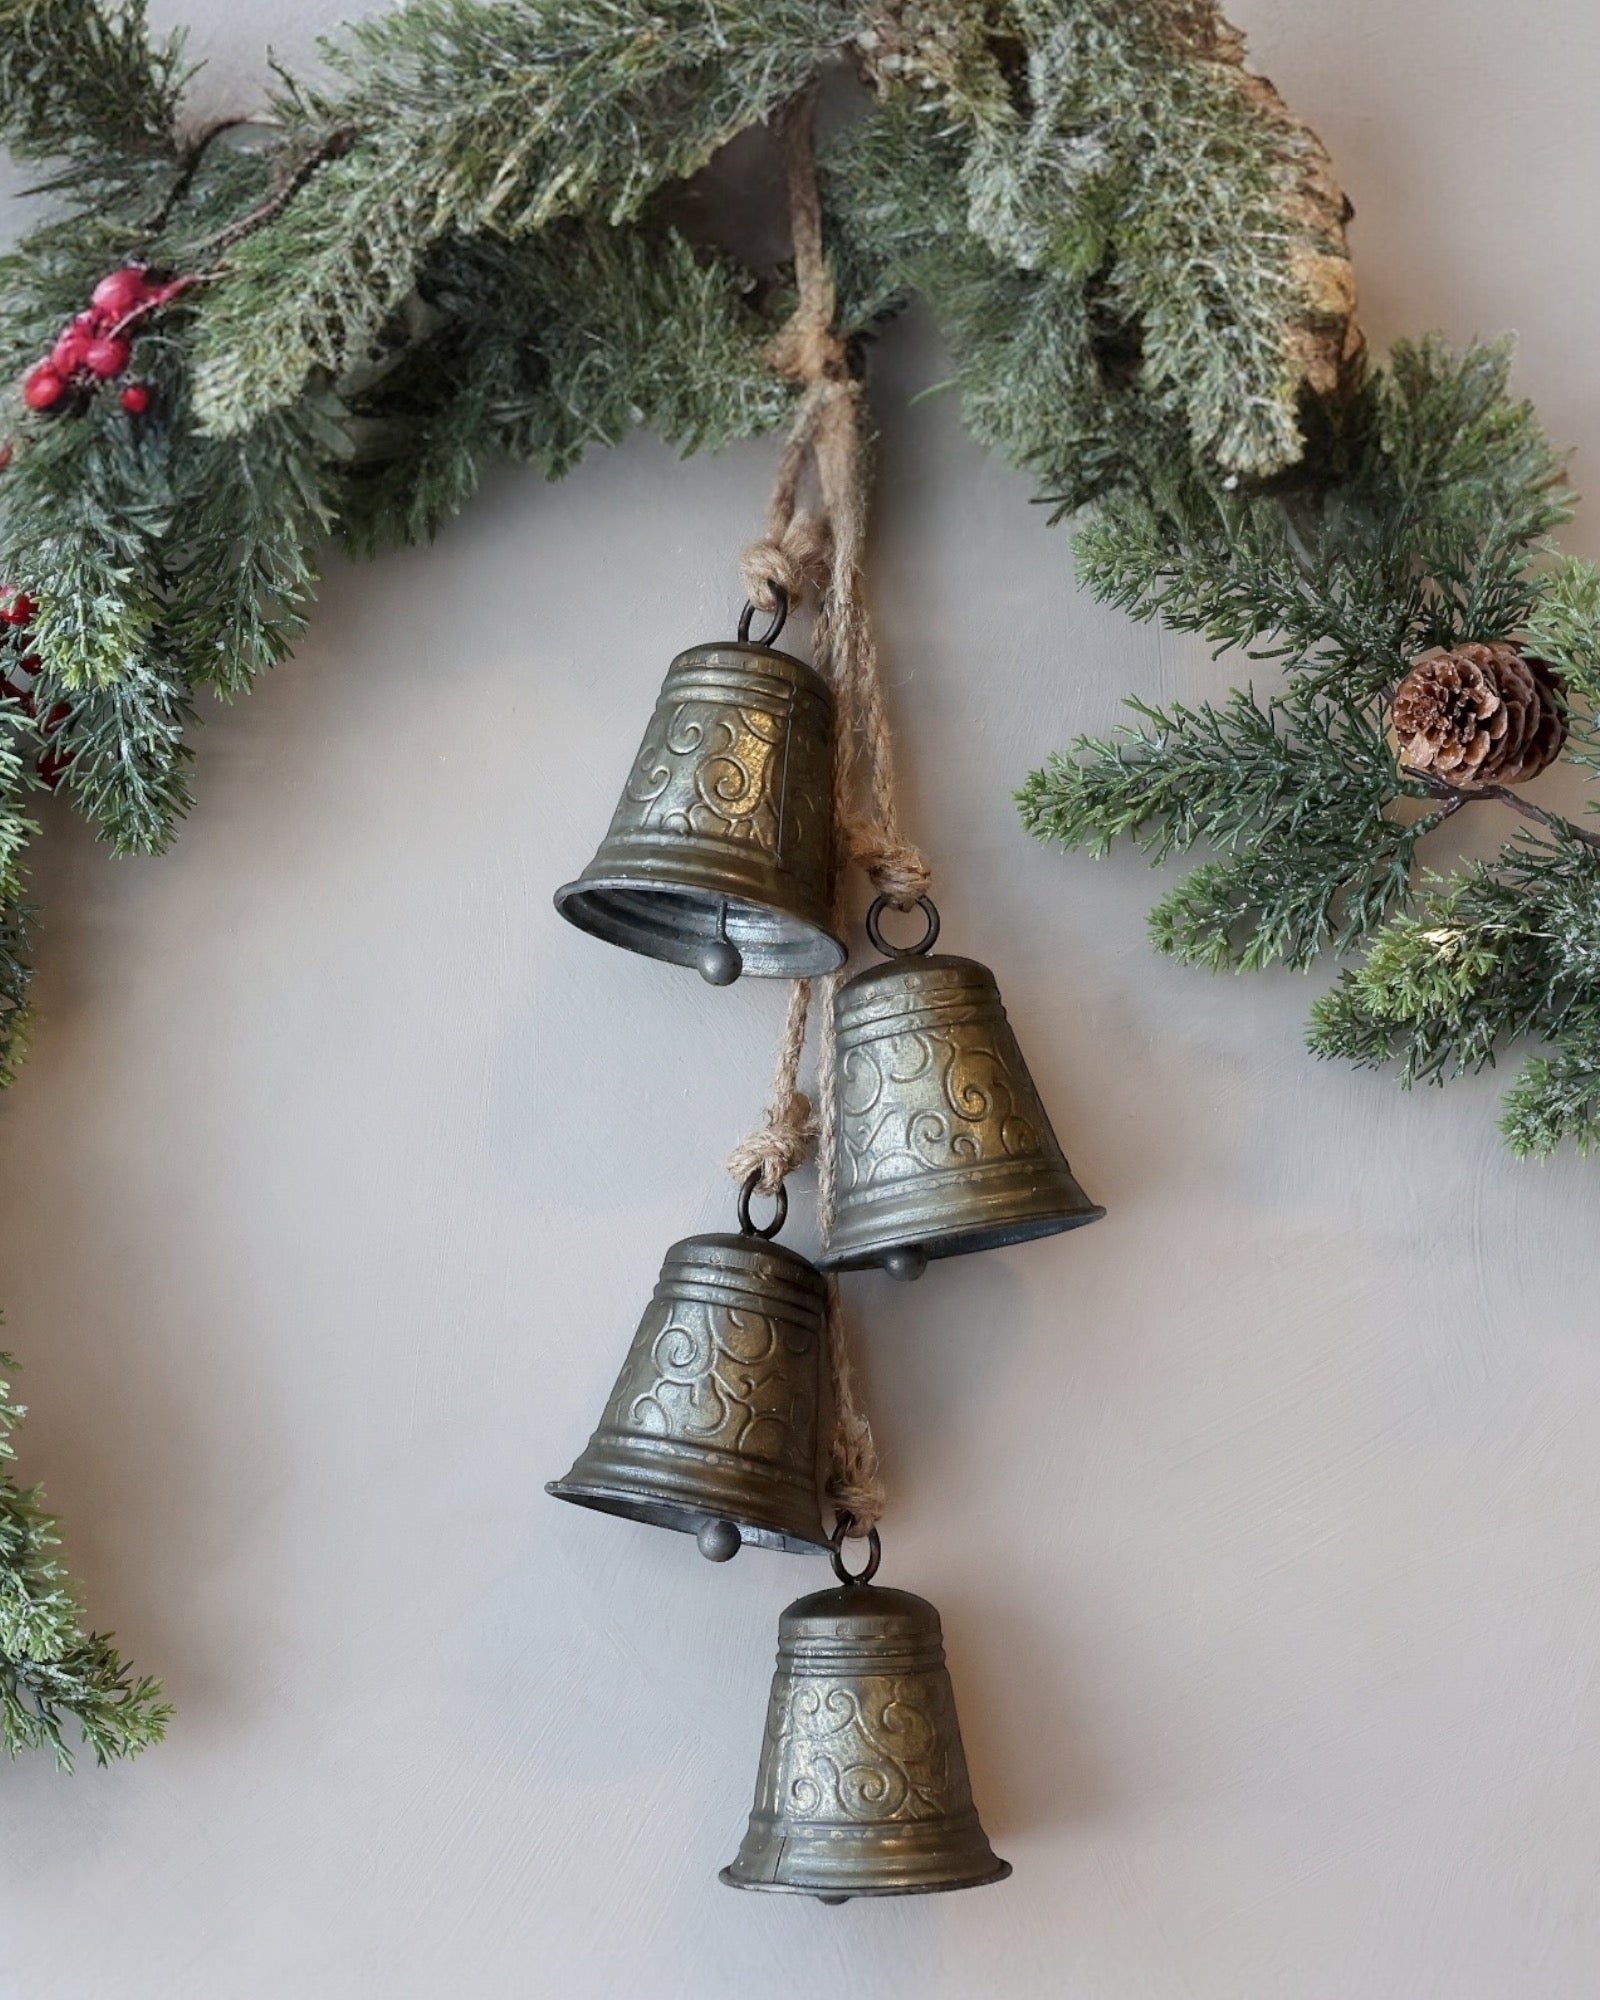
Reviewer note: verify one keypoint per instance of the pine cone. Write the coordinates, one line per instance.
(1479, 715)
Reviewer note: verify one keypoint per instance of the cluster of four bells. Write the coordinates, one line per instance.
(720, 856)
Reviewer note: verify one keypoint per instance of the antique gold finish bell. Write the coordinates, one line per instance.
(942, 1145)
(720, 852)
(712, 1425)
(863, 1787)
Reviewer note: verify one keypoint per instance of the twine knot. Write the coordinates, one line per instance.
(792, 561)
(893, 866)
(781, 1143)
(808, 347)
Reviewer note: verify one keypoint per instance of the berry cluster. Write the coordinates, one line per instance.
(19, 670)
(94, 346)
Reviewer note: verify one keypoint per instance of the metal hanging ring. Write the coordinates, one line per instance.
(841, 1528)
(925, 943)
(780, 1214)
(780, 616)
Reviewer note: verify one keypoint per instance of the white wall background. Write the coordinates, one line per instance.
(1263, 1516)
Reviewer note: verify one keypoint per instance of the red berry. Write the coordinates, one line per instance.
(136, 399)
(118, 292)
(20, 610)
(107, 357)
(43, 386)
(70, 350)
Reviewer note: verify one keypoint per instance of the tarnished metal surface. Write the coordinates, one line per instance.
(942, 1144)
(863, 1786)
(713, 1419)
(720, 851)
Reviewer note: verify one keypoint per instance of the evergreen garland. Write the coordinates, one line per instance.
(475, 239)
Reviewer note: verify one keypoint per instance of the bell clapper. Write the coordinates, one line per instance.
(905, 1262)
(719, 1541)
(720, 962)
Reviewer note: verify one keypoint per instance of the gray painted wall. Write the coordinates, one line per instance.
(1263, 1516)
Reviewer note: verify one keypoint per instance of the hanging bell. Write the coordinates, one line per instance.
(712, 1425)
(863, 1787)
(941, 1144)
(720, 853)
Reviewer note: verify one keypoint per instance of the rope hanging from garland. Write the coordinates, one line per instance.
(828, 433)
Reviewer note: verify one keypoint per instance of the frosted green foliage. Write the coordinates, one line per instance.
(162, 560)
(541, 349)
(1502, 951)
(472, 116)
(1419, 517)
(1123, 148)
(59, 1684)
(83, 84)
(1044, 375)
(1563, 624)
(1556, 1098)
(1118, 160)
(1413, 522)
(1291, 793)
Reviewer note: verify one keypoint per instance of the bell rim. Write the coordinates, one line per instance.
(954, 1243)
(681, 1517)
(998, 1873)
(582, 902)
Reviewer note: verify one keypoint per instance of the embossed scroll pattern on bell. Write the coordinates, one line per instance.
(721, 770)
(719, 853)
(711, 1427)
(863, 1787)
(942, 1144)
(723, 1378)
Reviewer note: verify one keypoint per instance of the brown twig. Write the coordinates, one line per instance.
(330, 148)
(193, 155)
(1456, 797)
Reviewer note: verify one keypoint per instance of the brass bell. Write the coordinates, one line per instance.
(720, 852)
(863, 1787)
(941, 1145)
(712, 1425)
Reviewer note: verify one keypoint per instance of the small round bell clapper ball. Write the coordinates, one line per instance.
(719, 962)
(906, 1261)
(833, 1900)
(719, 1541)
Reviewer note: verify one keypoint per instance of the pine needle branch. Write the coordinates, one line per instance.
(55, 1677)
(1290, 791)
(1500, 951)
(82, 82)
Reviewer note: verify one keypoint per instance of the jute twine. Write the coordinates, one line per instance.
(800, 552)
